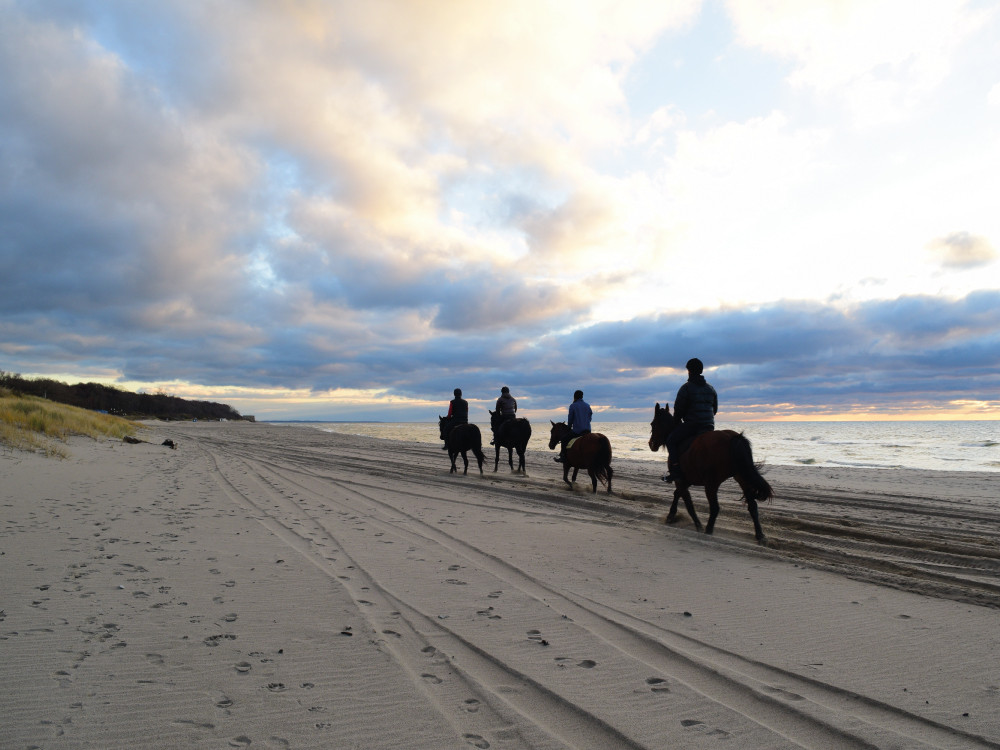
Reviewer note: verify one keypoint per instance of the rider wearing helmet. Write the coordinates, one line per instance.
(695, 408)
(506, 407)
(458, 411)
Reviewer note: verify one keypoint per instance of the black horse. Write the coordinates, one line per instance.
(461, 438)
(512, 434)
(712, 458)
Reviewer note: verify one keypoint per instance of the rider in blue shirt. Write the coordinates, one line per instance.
(578, 421)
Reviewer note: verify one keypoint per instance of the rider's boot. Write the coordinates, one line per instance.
(674, 472)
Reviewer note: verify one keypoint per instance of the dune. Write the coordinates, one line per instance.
(270, 586)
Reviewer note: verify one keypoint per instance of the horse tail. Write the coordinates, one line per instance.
(476, 444)
(602, 459)
(525, 434)
(745, 467)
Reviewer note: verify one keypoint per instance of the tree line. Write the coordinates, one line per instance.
(107, 398)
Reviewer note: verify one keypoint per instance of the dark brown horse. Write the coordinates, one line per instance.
(712, 458)
(512, 434)
(591, 452)
(461, 438)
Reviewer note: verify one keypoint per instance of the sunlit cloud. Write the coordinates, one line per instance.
(346, 206)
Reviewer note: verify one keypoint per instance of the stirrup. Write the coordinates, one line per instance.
(558, 459)
(668, 478)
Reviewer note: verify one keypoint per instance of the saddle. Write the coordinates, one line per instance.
(686, 445)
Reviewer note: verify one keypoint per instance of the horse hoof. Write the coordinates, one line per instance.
(670, 520)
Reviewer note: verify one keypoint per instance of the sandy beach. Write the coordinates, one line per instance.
(269, 586)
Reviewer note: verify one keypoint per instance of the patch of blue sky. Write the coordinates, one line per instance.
(704, 74)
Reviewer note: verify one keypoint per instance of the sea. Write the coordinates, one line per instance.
(941, 446)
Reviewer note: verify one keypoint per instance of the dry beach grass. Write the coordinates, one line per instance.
(36, 424)
(281, 587)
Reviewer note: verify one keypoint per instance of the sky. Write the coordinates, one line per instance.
(345, 210)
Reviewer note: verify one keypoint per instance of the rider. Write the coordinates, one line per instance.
(458, 412)
(506, 408)
(695, 408)
(578, 422)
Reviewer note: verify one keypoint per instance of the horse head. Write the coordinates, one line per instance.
(662, 424)
(558, 430)
(443, 424)
(495, 419)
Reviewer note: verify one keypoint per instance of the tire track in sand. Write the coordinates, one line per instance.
(811, 714)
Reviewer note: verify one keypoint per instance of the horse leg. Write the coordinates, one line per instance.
(465, 459)
(566, 474)
(712, 493)
(755, 517)
(749, 494)
(496, 463)
(611, 473)
(672, 513)
(593, 479)
(520, 460)
(453, 455)
(510, 457)
(685, 493)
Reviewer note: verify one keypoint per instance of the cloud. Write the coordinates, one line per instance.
(879, 57)
(396, 199)
(962, 250)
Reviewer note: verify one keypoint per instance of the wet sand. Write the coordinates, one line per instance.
(280, 587)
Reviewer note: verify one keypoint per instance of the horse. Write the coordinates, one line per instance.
(591, 451)
(713, 458)
(512, 434)
(461, 438)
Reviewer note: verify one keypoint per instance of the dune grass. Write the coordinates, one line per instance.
(35, 424)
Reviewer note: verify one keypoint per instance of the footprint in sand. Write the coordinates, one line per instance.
(657, 684)
(703, 727)
(431, 678)
(475, 740)
(471, 705)
(534, 635)
(276, 687)
(241, 741)
(213, 640)
(243, 667)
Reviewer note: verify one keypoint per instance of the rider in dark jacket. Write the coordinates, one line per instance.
(458, 412)
(506, 407)
(695, 408)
